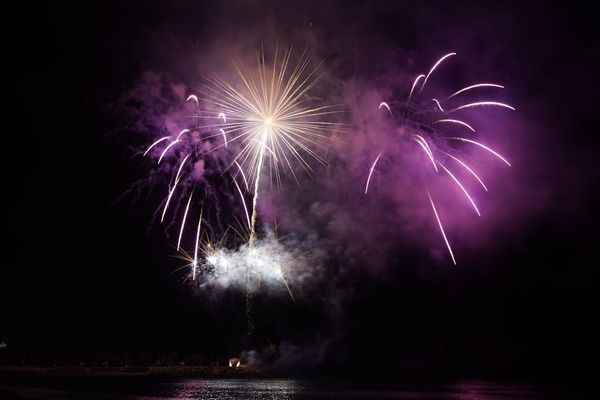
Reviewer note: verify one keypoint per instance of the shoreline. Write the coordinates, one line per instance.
(130, 371)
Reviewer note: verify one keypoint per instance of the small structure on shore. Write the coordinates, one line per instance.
(234, 362)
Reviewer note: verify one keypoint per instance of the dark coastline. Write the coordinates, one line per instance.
(159, 372)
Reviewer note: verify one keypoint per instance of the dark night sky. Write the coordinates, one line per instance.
(83, 274)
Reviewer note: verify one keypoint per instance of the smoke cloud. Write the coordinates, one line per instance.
(367, 58)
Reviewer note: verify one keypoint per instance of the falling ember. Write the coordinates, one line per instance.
(261, 157)
(183, 131)
(187, 147)
(287, 286)
(424, 119)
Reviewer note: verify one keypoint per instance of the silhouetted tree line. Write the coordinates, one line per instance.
(57, 353)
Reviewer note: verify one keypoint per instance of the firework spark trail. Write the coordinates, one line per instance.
(243, 203)
(371, 172)
(192, 97)
(441, 60)
(454, 121)
(437, 217)
(412, 89)
(494, 85)
(242, 173)
(195, 262)
(261, 156)
(480, 145)
(183, 132)
(423, 143)
(386, 105)
(164, 152)
(460, 185)
(438, 104)
(177, 178)
(171, 191)
(469, 169)
(187, 207)
(269, 120)
(178, 175)
(482, 103)
(191, 141)
(162, 139)
(419, 118)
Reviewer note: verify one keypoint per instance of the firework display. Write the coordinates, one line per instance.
(262, 124)
(424, 119)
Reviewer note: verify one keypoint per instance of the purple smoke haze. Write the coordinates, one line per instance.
(354, 233)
